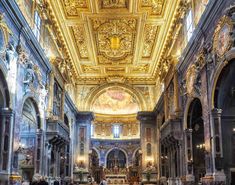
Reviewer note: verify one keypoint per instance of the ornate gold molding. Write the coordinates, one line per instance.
(81, 41)
(72, 7)
(119, 30)
(107, 4)
(150, 34)
(155, 7)
(222, 38)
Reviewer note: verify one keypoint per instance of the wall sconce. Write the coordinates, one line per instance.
(200, 146)
(80, 162)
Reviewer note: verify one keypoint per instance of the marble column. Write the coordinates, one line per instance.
(189, 156)
(82, 145)
(51, 95)
(148, 121)
(217, 150)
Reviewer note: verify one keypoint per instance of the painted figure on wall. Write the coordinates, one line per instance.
(115, 101)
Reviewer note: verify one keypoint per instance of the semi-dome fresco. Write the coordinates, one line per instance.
(115, 100)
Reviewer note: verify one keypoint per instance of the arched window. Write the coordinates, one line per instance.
(116, 158)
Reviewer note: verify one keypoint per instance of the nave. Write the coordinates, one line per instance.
(117, 92)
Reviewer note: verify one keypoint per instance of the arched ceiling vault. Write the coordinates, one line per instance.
(115, 99)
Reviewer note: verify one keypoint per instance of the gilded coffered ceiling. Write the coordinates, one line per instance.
(115, 40)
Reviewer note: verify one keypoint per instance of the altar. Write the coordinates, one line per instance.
(116, 179)
(116, 175)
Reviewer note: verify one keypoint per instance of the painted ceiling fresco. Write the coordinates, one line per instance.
(115, 100)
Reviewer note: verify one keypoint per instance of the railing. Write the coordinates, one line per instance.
(56, 128)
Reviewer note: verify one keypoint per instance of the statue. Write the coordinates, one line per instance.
(10, 54)
(43, 96)
(29, 76)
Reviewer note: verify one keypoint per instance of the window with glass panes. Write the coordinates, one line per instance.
(116, 131)
(37, 25)
(189, 25)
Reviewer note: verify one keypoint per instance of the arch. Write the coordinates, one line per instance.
(97, 151)
(228, 57)
(195, 141)
(193, 105)
(224, 99)
(116, 159)
(135, 151)
(136, 157)
(186, 110)
(94, 151)
(116, 148)
(97, 91)
(31, 98)
(29, 143)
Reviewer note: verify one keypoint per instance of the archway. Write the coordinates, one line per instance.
(135, 169)
(224, 99)
(94, 166)
(4, 93)
(28, 161)
(196, 126)
(5, 123)
(64, 155)
(116, 159)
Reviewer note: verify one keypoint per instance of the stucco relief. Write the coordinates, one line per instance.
(115, 38)
(114, 3)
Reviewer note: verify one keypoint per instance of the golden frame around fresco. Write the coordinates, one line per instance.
(222, 39)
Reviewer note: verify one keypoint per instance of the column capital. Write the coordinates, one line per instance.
(7, 112)
(216, 112)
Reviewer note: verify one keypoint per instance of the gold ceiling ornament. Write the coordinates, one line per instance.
(90, 69)
(104, 60)
(115, 38)
(150, 34)
(155, 6)
(114, 42)
(72, 7)
(115, 78)
(222, 38)
(81, 41)
(109, 33)
(115, 69)
(113, 3)
(141, 68)
(179, 14)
